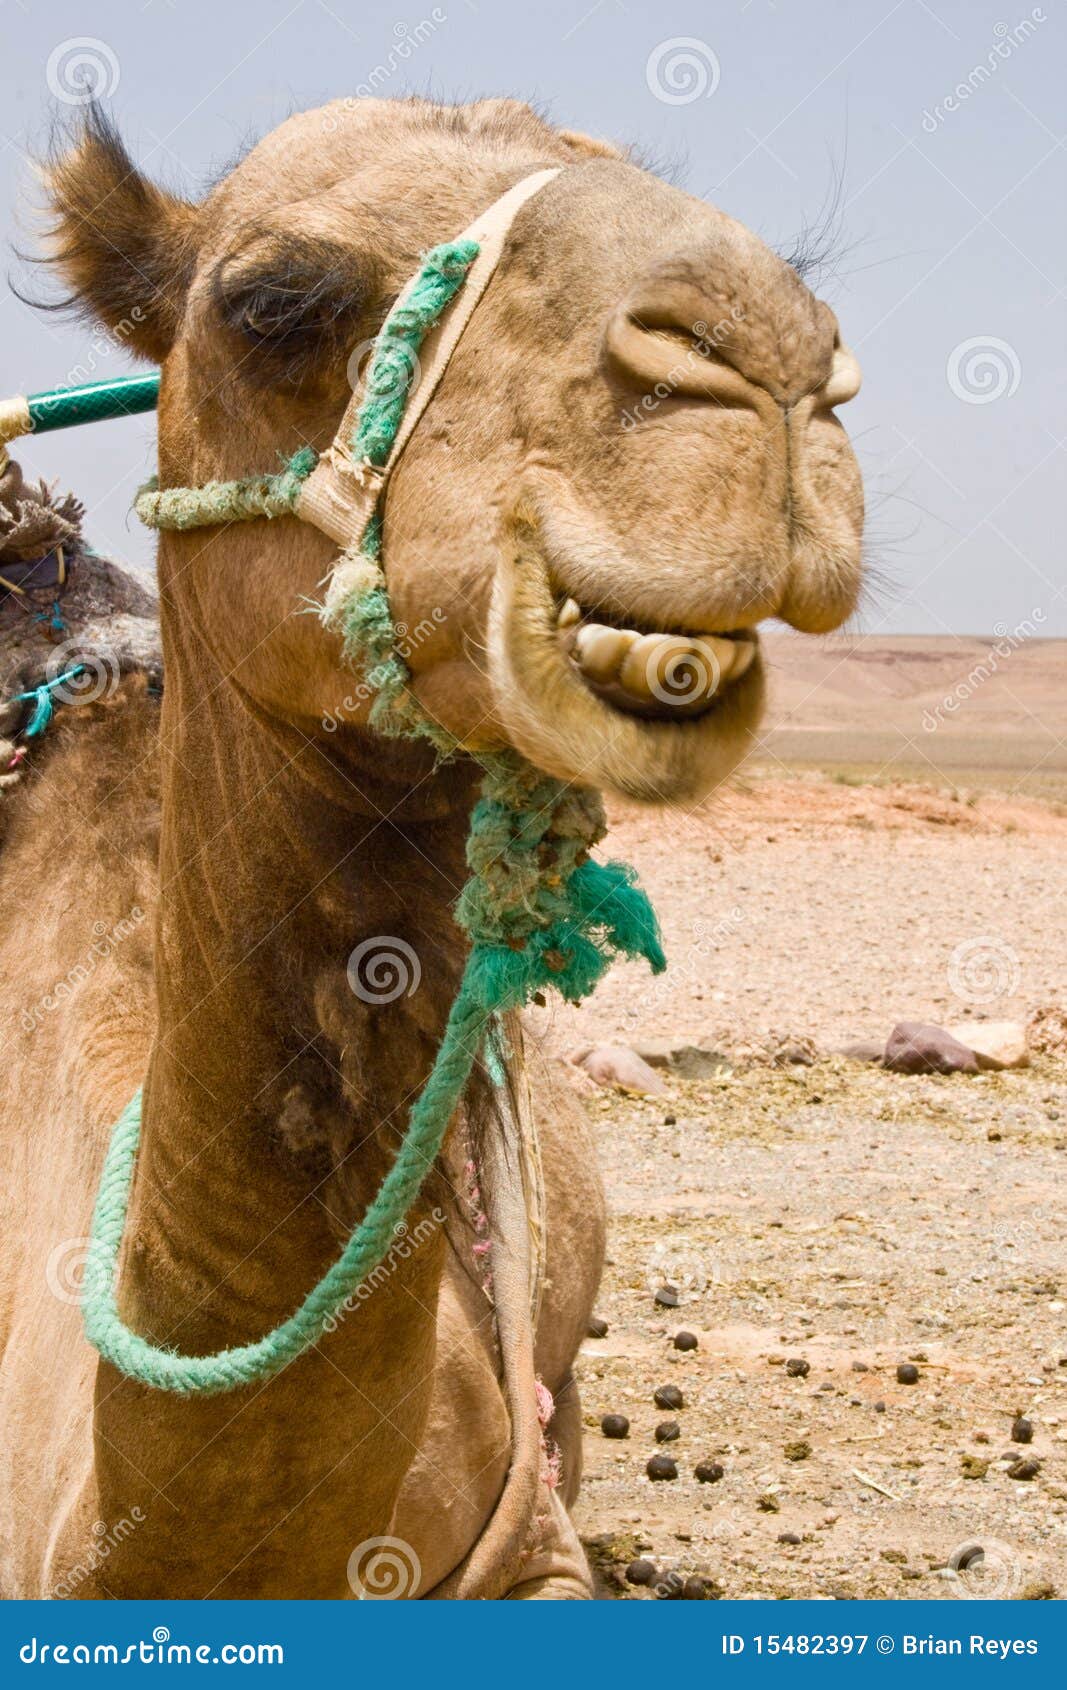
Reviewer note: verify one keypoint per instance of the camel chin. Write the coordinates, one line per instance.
(666, 729)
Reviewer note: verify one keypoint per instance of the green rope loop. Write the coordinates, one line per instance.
(539, 912)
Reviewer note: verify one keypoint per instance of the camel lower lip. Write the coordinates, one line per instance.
(569, 722)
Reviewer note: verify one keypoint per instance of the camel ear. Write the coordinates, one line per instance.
(125, 247)
(588, 146)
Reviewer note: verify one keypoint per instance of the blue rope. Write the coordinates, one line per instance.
(43, 708)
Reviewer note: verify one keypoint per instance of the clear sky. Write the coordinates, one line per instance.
(934, 126)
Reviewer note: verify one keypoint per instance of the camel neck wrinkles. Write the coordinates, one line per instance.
(276, 1092)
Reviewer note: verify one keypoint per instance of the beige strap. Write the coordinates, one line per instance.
(339, 496)
(14, 422)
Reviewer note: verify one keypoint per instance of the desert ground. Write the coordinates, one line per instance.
(821, 1220)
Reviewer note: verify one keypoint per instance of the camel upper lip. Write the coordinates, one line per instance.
(613, 617)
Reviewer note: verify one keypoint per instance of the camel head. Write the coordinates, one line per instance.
(632, 460)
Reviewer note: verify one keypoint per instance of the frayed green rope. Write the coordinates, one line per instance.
(538, 911)
(226, 501)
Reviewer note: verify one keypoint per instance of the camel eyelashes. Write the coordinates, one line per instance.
(296, 303)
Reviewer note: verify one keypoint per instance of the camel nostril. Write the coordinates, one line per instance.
(667, 353)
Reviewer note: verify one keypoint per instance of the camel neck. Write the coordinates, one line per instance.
(286, 1057)
(306, 960)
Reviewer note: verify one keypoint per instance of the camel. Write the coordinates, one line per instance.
(634, 450)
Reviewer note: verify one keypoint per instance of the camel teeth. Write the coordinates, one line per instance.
(599, 650)
(569, 614)
(671, 669)
(744, 652)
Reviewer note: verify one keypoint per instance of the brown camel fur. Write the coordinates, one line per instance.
(237, 851)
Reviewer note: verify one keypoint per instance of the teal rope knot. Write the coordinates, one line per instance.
(539, 912)
(43, 705)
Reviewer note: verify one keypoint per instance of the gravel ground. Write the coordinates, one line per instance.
(835, 1215)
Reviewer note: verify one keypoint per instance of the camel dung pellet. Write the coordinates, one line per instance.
(670, 1587)
(615, 1426)
(667, 1396)
(1024, 1469)
(686, 1341)
(788, 1537)
(1022, 1430)
(973, 1466)
(695, 1588)
(709, 1472)
(797, 1367)
(662, 1467)
(597, 1327)
(667, 1297)
(641, 1572)
(667, 1431)
(907, 1373)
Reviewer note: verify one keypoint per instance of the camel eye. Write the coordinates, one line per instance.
(294, 303)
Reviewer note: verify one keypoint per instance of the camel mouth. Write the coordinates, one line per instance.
(656, 674)
(593, 696)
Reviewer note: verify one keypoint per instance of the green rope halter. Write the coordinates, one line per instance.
(538, 910)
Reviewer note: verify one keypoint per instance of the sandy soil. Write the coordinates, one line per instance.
(835, 1214)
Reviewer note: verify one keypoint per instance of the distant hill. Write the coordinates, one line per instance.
(951, 703)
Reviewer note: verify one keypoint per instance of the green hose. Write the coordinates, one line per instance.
(97, 401)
